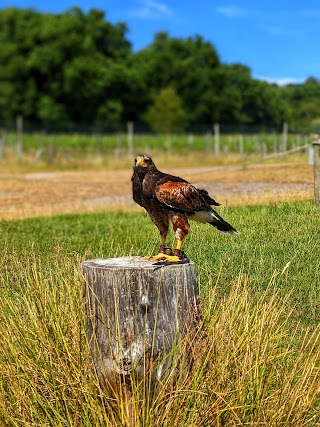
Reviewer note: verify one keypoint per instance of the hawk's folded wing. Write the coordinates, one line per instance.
(180, 195)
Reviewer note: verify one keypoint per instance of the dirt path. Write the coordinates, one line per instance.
(33, 194)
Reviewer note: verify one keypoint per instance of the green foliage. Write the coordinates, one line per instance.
(59, 67)
(315, 125)
(166, 115)
(110, 112)
(264, 104)
(304, 101)
(186, 65)
(78, 68)
(50, 111)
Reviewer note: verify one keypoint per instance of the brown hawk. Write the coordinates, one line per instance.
(170, 198)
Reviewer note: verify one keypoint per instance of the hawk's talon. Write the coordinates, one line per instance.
(164, 259)
(173, 261)
(155, 257)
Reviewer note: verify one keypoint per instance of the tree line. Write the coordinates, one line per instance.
(74, 68)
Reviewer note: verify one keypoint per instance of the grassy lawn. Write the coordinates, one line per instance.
(260, 297)
(273, 238)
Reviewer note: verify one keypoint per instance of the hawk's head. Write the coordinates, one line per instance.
(143, 163)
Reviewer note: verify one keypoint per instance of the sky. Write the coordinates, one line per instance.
(276, 39)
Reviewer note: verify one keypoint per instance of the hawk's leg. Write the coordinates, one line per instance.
(181, 227)
(161, 220)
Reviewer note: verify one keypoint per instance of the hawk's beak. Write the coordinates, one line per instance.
(140, 163)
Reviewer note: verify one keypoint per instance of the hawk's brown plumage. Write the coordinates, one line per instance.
(170, 198)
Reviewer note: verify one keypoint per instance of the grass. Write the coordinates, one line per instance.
(256, 354)
(273, 238)
(250, 142)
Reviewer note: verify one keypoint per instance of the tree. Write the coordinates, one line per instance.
(50, 111)
(304, 101)
(225, 97)
(187, 65)
(78, 68)
(264, 105)
(109, 115)
(166, 115)
(58, 66)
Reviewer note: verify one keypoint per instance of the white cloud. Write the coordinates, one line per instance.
(151, 9)
(231, 11)
(280, 81)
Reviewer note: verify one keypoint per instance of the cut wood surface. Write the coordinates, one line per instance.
(137, 312)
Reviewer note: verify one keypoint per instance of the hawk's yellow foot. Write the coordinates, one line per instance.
(155, 257)
(176, 256)
(171, 258)
(163, 257)
(163, 252)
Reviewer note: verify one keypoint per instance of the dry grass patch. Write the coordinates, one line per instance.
(25, 195)
(274, 173)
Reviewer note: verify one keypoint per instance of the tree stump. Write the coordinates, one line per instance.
(137, 312)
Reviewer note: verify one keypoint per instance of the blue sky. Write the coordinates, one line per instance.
(278, 40)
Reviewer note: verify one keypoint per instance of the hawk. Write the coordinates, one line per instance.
(170, 198)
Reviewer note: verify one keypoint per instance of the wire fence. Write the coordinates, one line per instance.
(43, 146)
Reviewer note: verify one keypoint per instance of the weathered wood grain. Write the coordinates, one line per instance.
(137, 312)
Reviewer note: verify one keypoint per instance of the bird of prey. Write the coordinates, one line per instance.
(170, 198)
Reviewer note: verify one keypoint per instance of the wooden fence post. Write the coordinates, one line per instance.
(216, 131)
(130, 131)
(19, 149)
(40, 150)
(190, 142)
(284, 137)
(137, 312)
(316, 143)
(2, 139)
(241, 144)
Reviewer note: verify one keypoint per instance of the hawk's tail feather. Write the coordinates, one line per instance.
(223, 226)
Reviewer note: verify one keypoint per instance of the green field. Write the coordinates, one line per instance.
(271, 237)
(260, 296)
(249, 143)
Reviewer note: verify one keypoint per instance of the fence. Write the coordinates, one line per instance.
(40, 146)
